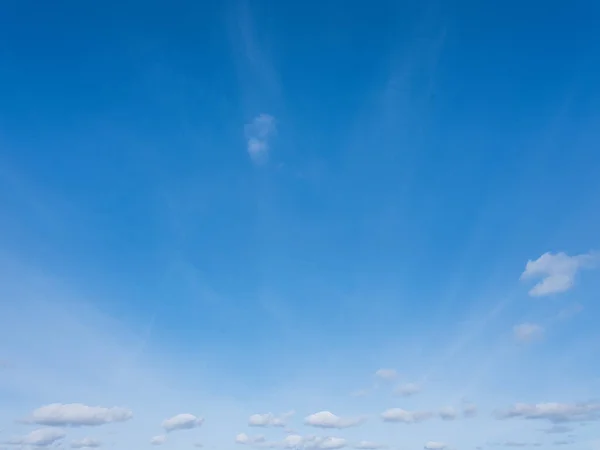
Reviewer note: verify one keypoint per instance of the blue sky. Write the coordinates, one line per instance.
(299, 225)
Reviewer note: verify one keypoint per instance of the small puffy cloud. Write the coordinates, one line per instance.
(78, 414)
(433, 445)
(158, 440)
(469, 410)
(368, 445)
(258, 134)
(182, 422)
(42, 437)
(244, 439)
(407, 389)
(557, 271)
(553, 412)
(292, 441)
(448, 413)
(527, 332)
(404, 416)
(269, 420)
(386, 374)
(326, 419)
(86, 442)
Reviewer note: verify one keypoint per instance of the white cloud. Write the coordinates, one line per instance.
(433, 445)
(182, 422)
(244, 439)
(404, 416)
(258, 133)
(269, 420)
(553, 412)
(326, 419)
(292, 441)
(557, 272)
(386, 374)
(407, 389)
(86, 442)
(368, 445)
(526, 332)
(77, 414)
(42, 437)
(158, 440)
(448, 413)
(295, 441)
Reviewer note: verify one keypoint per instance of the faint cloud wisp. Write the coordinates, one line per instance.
(258, 134)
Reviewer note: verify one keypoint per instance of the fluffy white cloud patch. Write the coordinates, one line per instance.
(557, 271)
(433, 445)
(77, 414)
(553, 412)
(42, 437)
(86, 442)
(386, 374)
(258, 134)
(158, 440)
(269, 420)
(407, 389)
(404, 416)
(527, 332)
(326, 419)
(244, 439)
(182, 422)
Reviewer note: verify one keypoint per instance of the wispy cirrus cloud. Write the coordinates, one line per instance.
(552, 412)
(527, 332)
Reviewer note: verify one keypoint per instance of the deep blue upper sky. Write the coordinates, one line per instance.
(268, 191)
